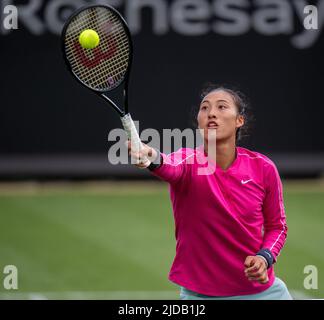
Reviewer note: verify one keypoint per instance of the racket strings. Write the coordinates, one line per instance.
(112, 77)
(114, 74)
(104, 67)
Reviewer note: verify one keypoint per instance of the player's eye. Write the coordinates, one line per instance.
(203, 108)
(222, 107)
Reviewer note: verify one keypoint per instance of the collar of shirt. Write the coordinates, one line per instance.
(203, 158)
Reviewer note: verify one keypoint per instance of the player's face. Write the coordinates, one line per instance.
(218, 116)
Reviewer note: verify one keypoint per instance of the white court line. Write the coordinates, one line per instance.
(300, 295)
(111, 295)
(35, 296)
(84, 295)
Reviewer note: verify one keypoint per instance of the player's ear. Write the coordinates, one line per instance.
(239, 121)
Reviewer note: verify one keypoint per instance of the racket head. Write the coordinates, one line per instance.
(107, 66)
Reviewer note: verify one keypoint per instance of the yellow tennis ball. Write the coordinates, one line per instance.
(89, 39)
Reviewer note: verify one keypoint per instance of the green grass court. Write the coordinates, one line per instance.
(116, 240)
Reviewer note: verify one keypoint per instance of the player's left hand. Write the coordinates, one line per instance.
(256, 269)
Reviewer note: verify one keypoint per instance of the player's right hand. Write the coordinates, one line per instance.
(139, 157)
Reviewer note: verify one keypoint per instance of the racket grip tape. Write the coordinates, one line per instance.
(132, 134)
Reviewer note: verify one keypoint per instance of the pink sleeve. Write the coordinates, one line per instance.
(173, 166)
(275, 227)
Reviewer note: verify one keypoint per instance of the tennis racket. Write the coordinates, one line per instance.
(106, 67)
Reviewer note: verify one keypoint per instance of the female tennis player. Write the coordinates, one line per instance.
(230, 223)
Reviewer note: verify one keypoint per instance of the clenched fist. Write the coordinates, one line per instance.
(256, 269)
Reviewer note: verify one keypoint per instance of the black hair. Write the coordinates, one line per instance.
(241, 102)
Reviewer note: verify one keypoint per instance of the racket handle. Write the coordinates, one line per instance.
(133, 136)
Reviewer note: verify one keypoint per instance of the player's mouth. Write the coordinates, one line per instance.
(212, 125)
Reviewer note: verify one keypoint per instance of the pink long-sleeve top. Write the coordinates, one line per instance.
(221, 217)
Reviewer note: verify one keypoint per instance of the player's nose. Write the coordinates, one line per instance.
(212, 114)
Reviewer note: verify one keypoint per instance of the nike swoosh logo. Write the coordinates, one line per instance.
(246, 181)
